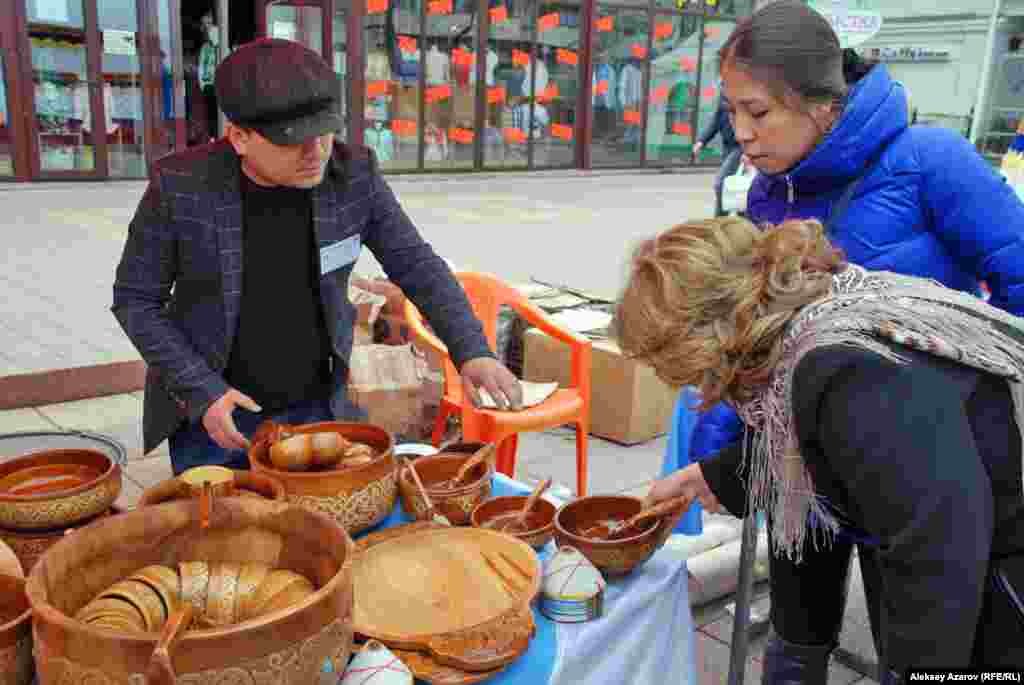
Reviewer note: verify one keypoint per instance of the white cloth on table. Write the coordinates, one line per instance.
(645, 636)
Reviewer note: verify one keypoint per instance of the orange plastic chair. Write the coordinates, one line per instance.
(487, 294)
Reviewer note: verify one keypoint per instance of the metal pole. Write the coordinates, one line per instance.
(981, 102)
(744, 588)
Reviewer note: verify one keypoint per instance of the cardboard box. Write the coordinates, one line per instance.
(396, 388)
(628, 403)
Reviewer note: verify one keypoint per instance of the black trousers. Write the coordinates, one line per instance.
(212, 113)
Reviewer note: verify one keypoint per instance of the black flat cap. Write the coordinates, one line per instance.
(281, 89)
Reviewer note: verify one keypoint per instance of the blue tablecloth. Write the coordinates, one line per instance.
(536, 665)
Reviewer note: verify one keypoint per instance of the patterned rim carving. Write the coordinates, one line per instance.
(358, 510)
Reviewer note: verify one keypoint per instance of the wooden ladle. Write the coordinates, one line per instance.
(432, 512)
(161, 667)
(519, 522)
(477, 458)
(617, 531)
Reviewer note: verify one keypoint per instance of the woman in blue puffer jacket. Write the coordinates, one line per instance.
(919, 201)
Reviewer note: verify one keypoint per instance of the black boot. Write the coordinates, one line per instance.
(786, 663)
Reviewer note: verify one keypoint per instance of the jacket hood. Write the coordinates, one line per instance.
(875, 113)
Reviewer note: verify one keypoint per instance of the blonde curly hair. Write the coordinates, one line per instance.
(706, 302)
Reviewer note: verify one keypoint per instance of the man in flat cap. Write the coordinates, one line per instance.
(233, 284)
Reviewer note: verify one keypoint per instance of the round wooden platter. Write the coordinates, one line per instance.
(454, 601)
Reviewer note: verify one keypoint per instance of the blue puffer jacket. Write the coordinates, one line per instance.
(930, 206)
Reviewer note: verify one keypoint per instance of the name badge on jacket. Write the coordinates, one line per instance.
(339, 254)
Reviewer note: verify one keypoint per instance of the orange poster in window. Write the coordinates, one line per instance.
(561, 131)
(688, 64)
(376, 6)
(376, 89)
(548, 21)
(404, 127)
(682, 129)
(631, 116)
(639, 51)
(550, 93)
(514, 135)
(520, 58)
(567, 57)
(499, 14)
(605, 24)
(463, 58)
(496, 95)
(709, 93)
(439, 7)
(460, 135)
(407, 44)
(659, 94)
(438, 93)
(662, 31)
(601, 87)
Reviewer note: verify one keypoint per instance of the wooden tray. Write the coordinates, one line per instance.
(430, 589)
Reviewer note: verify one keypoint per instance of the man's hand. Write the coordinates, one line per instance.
(221, 427)
(492, 376)
(688, 482)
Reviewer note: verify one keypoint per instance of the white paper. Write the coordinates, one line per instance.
(533, 394)
(582, 320)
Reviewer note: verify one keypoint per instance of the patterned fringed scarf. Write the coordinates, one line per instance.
(870, 310)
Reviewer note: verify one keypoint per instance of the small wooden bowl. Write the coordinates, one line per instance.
(16, 664)
(455, 504)
(357, 497)
(225, 483)
(540, 524)
(612, 557)
(56, 488)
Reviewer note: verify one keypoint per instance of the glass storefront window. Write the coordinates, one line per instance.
(617, 82)
(339, 35)
(121, 73)
(558, 54)
(716, 31)
(506, 138)
(300, 24)
(6, 137)
(169, 112)
(393, 51)
(729, 8)
(449, 96)
(673, 89)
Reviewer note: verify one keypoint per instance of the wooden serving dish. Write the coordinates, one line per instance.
(540, 524)
(225, 483)
(357, 497)
(458, 596)
(612, 557)
(28, 546)
(56, 488)
(456, 504)
(285, 646)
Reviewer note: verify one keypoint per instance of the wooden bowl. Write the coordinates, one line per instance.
(357, 497)
(540, 524)
(612, 557)
(455, 504)
(30, 545)
(16, 665)
(224, 482)
(56, 488)
(285, 646)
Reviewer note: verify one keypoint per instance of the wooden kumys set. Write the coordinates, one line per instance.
(253, 576)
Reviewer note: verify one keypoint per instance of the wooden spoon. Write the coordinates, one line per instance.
(475, 460)
(161, 667)
(604, 531)
(519, 523)
(433, 513)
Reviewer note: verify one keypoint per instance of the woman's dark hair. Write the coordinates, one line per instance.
(855, 67)
(790, 48)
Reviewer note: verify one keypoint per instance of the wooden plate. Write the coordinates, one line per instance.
(460, 595)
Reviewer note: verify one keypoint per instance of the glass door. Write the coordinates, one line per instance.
(6, 137)
(121, 77)
(299, 20)
(70, 122)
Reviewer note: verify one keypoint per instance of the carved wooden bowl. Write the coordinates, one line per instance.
(540, 524)
(287, 645)
(16, 666)
(357, 497)
(29, 545)
(56, 488)
(456, 504)
(224, 481)
(612, 557)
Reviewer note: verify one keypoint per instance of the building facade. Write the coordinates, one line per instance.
(97, 89)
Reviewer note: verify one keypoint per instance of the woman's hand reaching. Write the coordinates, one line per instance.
(689, 483)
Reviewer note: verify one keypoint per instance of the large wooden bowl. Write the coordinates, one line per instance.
(16, 666)
(224, 481)
(29, 545)
(540, 524)
(357, 497)
(456, 504)
(285, 646)
(612, 557)
(56, 488)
